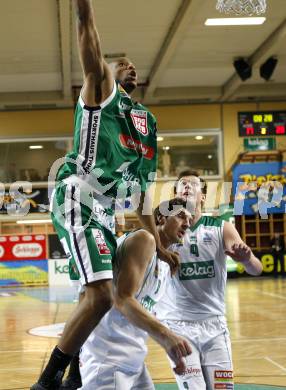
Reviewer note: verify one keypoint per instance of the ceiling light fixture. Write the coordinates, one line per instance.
(160, 139)
(199, 137)
(255, 21)
(34, 147)
(33, 221)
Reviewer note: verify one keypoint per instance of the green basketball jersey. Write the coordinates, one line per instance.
(115, 146)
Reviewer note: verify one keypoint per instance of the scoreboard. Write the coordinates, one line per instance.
(262, 123)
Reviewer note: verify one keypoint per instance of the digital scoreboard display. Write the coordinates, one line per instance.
(262, 123)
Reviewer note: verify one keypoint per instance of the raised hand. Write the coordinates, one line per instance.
(240, 253)
(172, 258)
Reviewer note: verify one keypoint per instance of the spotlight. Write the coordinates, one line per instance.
(267, 69)
(243, 69)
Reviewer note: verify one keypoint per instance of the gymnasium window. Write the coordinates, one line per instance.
(30, 159)
(201, 151)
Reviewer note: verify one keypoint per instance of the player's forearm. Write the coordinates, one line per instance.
(84, 11)
(253, 266)
(140, 317)
(89, 42)
(146, 218)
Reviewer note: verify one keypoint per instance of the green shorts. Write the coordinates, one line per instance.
(85, 228)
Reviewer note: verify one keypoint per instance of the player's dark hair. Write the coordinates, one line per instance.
(167, 205)
(191, 172)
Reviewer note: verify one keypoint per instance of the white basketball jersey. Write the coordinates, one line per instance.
(197, 290)
(115, 340)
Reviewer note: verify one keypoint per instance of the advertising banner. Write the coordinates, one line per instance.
(259, 143)
(27, 247)
(259, 188)
(59, 272)
(272, 265)
(24, 273)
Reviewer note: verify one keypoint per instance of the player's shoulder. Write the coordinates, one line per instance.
(121, 239)
(138, 235)
(140, 107)
(208, 220)
(121, 90)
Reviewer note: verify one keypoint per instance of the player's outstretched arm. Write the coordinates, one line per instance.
(134, 260)
(239, 251)
(145, 215)
(98, 81)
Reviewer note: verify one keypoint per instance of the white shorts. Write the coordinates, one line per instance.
(102, 376)
(209, 367)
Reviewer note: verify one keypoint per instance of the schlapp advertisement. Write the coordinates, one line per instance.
(259, 188)
(26, 247)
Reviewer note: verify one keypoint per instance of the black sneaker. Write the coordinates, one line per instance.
(71, 384)
(38, 386)
(54, 385)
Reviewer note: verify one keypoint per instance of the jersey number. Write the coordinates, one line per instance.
(194, 250)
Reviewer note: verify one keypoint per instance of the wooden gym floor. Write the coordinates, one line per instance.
(256, 312)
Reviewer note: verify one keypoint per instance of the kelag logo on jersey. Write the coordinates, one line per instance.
(197, 270)
(139, 119)
(148, 303)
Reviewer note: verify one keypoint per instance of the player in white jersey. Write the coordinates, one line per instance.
(193, 306)
(113, 356)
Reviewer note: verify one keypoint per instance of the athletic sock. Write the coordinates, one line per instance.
(58, 363)
(74, 371)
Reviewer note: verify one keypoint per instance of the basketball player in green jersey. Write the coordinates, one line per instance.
(114, 156)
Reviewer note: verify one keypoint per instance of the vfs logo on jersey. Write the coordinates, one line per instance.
(139, 119)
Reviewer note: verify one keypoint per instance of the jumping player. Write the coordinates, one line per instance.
(194, 306)
(114, 155)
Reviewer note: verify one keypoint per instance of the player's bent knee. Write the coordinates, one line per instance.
(98, 296)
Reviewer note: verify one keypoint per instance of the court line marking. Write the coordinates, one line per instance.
(241, 340)
(275, 363)
(270, 294)
(24, 350)
(248, 339)
(19, 369)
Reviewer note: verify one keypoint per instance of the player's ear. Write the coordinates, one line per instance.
(175, 188)
(203, 198)
(161, 220)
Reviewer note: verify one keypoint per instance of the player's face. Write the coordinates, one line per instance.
(125, 73)
(190, 189)
(175, 226)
